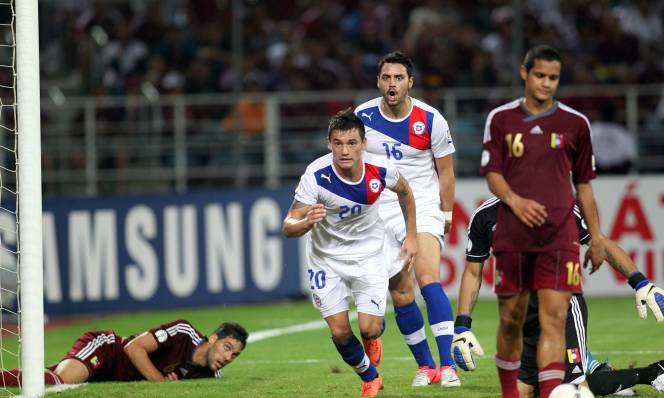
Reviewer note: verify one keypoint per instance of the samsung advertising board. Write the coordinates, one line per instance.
(140, 252)
(225, 247)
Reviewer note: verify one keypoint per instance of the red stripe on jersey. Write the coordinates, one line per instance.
(419, 135)
(374, 180)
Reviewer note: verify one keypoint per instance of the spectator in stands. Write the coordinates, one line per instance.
(604, 39)
(249, 111)
(614, 146)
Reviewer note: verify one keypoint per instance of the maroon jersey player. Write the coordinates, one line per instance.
(172, 351)
(532, 147)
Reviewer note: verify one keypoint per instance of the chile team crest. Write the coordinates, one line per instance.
(374, 185)
(419, 128)
(317, 300)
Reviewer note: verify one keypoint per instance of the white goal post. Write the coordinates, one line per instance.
(29, 207)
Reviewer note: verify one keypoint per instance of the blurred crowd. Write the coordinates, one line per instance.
(173, 46)
(158, 47)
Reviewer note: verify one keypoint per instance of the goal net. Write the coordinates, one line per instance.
(21, 284)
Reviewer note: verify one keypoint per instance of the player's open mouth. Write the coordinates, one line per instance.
(392, 95)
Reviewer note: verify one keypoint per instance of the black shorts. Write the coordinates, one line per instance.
(575, 334)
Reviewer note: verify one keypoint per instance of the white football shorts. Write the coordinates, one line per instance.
(335, 283)
(429, 219)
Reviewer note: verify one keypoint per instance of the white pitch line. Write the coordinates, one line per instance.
(307, 361)
(486, 357)
(59, 388)
(301, 327)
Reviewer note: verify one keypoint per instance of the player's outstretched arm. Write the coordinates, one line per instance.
(469, 289)
(464, 344)
(138, 349)
(647, 294)
(407, 203)
(301, 218)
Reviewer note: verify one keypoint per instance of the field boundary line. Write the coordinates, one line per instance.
(300, 327)
(59, 388)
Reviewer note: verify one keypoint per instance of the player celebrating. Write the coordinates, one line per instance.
(531, 148)
(478, 250)
(335, 201)
(173, 351)
(417, 139)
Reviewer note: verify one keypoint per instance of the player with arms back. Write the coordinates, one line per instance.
(416, 137)
(531, 148)
(335, 202)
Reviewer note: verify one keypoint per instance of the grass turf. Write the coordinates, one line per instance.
(305, 364)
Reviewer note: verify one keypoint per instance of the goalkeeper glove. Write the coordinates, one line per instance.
(647, 294)
(465, 344)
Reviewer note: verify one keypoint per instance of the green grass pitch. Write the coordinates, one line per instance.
(305, 364)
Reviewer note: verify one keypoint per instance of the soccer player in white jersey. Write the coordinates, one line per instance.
(335, 201)
(416, 137)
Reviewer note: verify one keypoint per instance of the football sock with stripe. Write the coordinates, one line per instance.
(550, 377)
(508, 370)
(411, 325)
(353, 354)
(441, 320)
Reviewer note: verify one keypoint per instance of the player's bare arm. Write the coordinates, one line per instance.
(646, 293)
(618, 259)
(469, 290)
(596, 253)
(407, 203)
(446, 179)
(528, 211)
(301, 218)
(464, 344)
(138, 349)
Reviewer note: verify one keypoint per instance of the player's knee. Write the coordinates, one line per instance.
(341, 335)
(402, 297)
(401, 289)
(423, 280)
(371, 332)
(427, 273)
(553, 318)
(510, 324)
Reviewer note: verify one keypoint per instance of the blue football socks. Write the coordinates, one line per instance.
(441, 320)
(354, 355)
(411, 324)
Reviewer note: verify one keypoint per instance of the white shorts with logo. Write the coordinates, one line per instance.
(335, 283)
(429, 219)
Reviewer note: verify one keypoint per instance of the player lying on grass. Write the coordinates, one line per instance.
(169, 352)
(465, 344)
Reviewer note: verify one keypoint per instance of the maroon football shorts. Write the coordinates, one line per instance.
(100, 352)
(555, 269)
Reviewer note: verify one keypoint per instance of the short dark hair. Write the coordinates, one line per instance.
(345, 120)
(544, 52)
(397, 57)
(234, 330)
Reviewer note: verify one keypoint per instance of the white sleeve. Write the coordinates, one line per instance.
(307, 190)
(391, 175)
(441, 138)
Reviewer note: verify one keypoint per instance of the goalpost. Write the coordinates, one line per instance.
(21, 272)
